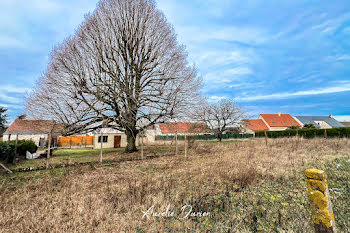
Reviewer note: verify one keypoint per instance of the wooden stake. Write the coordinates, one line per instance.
(4, 167)
(48, 151)
(176, 146)
(141, 145)
(101, 152)
(16, 146)
(185, 146)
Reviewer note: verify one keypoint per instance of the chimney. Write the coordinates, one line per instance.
(22, 117)
(330, 116)
(279, 114)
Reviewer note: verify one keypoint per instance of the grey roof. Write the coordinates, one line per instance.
(311, 120)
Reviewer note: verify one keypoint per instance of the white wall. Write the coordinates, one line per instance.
(34, 137)
(110, 142)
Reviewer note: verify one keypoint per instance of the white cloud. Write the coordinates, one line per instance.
(12, 89)
(221, 57)
(231, 33)
(238, 71)
(227, 76)
(331, 25)
(342, 117)
(341, 57)
(9, 99)
(12, 106)
(6, 92)
(23, 23)
(215, 98)
(286, 95)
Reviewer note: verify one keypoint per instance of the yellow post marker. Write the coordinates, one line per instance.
(321, 206)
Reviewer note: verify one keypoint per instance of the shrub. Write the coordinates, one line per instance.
(23, 146)
(307, 133)
(7, 152)
(309, 126)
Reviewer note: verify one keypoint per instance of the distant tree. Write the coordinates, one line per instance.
(3, 120)
(219, 116)
(309, 126)
(294, 127)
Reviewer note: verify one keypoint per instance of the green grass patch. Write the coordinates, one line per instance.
(61, 156)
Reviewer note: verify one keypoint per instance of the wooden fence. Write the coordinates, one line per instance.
(75, 141)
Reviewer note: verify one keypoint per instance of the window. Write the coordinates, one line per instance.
(274, 123)
(283, 123)
(251, 123)
(260, 123)
(105, 139)
(292, 123)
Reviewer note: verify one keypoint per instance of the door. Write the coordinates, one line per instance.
(117, 140)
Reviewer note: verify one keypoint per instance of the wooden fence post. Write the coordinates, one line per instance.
(141, 145)
(185, 145)
(321, 206)
(101, 152)
(16, 145)
(48, 151)
(176, 147)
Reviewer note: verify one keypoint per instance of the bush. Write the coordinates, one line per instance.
(309, 126)
(23, 146)
(307, 133)
(7, 152)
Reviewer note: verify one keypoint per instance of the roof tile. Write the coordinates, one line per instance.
(33, 126)
(183, 127)
(280, 120)
(256, 124)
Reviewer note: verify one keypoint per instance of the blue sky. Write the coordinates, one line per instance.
(271, 56)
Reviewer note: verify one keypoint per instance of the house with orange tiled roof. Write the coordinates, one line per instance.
(179, 128)
(170, 128)
(252, 125)
(279, 122)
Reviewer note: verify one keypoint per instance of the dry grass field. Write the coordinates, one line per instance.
(243, 186)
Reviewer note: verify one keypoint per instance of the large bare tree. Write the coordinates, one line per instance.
(219, 116)
(123, 65)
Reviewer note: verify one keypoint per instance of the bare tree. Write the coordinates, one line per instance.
(123, 65)
(219, 116)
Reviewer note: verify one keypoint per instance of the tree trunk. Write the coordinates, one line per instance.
(220, 136)
(131, 141)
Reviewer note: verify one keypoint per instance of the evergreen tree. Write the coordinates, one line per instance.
(3, 119)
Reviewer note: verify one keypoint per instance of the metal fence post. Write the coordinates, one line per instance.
(321, 206)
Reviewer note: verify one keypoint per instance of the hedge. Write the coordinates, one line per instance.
(307, 133)
(7, 149)
(202, 137)
(7, 152)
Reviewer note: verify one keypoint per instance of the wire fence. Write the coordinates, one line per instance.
(202, 137)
